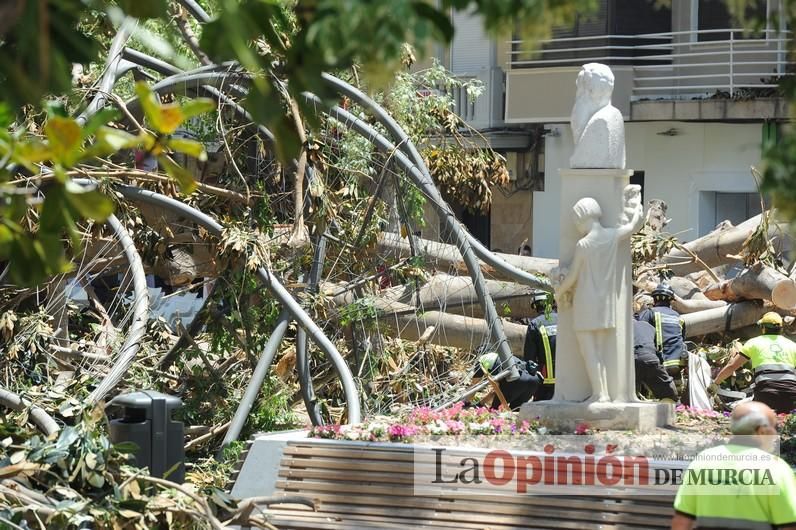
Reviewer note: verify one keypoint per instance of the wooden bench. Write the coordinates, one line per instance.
(371, 486)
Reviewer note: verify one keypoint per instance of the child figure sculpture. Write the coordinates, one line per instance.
(590, 285)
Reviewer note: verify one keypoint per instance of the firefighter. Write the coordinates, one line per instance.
(540, 344)
(669, 330)
(649, 372)
(515, 392)
(774, 363)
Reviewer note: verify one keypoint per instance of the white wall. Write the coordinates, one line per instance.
(701, 157)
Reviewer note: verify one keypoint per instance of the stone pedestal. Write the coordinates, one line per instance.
(572, 383)
(566, 416)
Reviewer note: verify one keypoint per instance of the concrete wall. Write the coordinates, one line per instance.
(701, 157)
(546, 95)
(511, 220)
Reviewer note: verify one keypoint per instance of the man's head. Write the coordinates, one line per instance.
(595, 81)
(662, 295)
(593, 88)
(585, 212)
(754, 418)
(771, 323)
(539, 301)
(488, 363)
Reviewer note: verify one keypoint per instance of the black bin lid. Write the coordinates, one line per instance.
(143, 400)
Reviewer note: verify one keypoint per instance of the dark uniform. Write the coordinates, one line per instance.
(518, 391)
(649, 371)
(669, 336)
(540, 347)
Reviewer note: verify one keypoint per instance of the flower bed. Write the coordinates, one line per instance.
(424, 422)
(485, 427)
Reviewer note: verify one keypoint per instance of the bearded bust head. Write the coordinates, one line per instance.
(604, 142)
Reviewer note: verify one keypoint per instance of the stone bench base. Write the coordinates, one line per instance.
(566, 416)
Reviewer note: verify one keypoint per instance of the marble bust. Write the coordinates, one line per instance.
(597, 126)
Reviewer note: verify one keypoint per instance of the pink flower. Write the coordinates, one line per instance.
(581, 428)
(498, 424)
(399, 432)
(455, 426)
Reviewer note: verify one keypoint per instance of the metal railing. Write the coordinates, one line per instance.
(675, 64)
(486, 111)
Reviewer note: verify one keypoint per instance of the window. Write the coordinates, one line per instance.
(717, 207)
(714, 15)
(638, 178)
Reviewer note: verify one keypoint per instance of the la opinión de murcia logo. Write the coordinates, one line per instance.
(503, 469)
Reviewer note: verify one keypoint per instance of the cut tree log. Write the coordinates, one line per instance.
(722, 319)
(685, 306)
(717, 247)
(451, 330)
(756, 283)
(452, 294)
(448, 256)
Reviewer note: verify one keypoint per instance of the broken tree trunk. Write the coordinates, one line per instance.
(451, 330)
(686, 306)
(721, 319)
(452, 294)
(716, 247)
(756, 283)
(449, 256)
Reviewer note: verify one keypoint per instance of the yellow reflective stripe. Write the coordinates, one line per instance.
(548, 355)
(672, 362)
(658, 331)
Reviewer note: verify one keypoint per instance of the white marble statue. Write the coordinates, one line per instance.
(597, 126)
(590, 288)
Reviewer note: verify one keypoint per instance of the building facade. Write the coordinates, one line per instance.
(699, 96)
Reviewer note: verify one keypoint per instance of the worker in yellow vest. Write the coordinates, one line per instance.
(739, 484)
(773, 358)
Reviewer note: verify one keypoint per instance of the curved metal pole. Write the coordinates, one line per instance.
(115, 67)
(406, 145)
(256, 381)
(146, 61)
(271, 283)
(302, 357)
(132, 341)
(37, 415)
(195, 10)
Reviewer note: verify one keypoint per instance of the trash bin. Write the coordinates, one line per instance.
(147, 421)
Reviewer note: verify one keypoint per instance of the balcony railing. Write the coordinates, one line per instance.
(677, 64)
(487, 110)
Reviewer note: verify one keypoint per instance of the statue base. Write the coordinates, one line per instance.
(567, 415)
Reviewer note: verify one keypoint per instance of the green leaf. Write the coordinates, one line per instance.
(117, 140)
(196, 107)
(189, 147)
(126, 447)
(99, 119)
(440, 20)
(96, 480)
(51, 218)
(144, 8)
(6, 116)
(150, 105)
(90, 203)
(64, 137)
(32, 151)
(180, 174)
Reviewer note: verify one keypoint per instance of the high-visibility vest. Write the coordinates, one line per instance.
(659, 318)
(548, 356)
